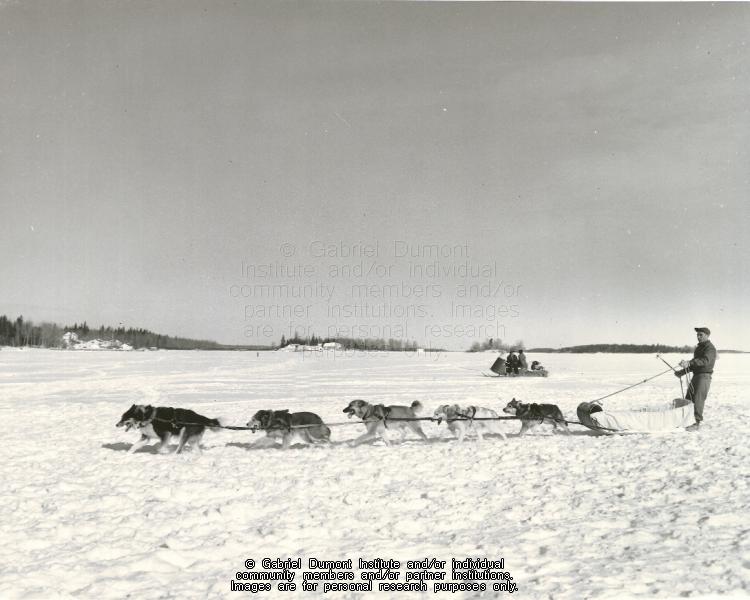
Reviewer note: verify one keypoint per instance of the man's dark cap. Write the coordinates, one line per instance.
(705, 330)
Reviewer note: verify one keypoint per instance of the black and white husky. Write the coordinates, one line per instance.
(163, 422)
(532, 415)
(305, 427)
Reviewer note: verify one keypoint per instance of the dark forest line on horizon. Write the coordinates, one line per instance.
(20, 332)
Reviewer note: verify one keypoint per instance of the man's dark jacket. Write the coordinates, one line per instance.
(703, 360)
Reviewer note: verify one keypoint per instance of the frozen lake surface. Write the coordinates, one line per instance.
(579, 516)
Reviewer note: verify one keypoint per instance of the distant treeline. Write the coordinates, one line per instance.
(49, 335)
(617, 349)
(25, 333)
(390, 344)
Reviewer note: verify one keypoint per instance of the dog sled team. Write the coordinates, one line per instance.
(162, 423)
(516, 364)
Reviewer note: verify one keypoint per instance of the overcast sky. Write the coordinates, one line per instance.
(592, 158)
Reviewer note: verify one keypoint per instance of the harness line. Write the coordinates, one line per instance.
(632, 386)
(342, 423)
(682, 391)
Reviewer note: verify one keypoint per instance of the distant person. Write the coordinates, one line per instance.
(536, 366)
(702, 367)
(523, 365)
(512, 363)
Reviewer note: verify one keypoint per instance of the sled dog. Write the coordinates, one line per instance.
(305, 427)
(532, 415)
(379, 419)
(460, 420)
(163, 422)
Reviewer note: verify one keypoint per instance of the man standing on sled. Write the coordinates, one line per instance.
(702, 367)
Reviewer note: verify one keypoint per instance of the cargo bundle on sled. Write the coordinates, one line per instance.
(596, 417)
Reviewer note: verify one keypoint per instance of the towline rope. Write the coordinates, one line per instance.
(338, 424)
(343, 423)
(632, 386)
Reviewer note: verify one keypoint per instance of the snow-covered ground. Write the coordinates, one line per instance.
(579, 516)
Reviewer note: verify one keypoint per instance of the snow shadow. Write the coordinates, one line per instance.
(252, 447)
(125, 446)
(576, 433)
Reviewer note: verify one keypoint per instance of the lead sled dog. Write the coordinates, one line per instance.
(164, 422)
